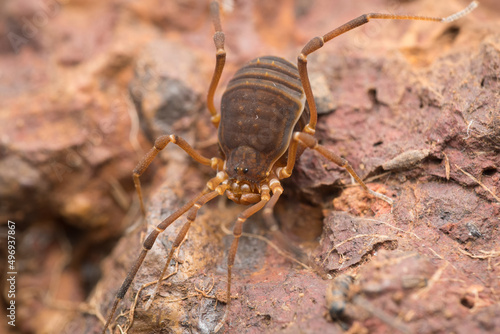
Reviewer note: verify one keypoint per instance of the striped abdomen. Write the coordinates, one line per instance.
(259, 111)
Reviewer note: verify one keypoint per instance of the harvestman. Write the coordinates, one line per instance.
(268, 118)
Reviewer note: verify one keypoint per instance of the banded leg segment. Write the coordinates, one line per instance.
(310, 142)
(272, 225)
(160, 144)
(237, 230)
(147, 245)
(317, 42)
(220, 60)
(212, 190)
(267, 213)
(191, 216)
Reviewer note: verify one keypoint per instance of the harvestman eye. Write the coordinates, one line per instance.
(264, 80)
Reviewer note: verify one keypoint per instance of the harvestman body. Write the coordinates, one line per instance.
(268, 118)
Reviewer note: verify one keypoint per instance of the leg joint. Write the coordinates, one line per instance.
(219, 39)
(162, 141)
(306, 139)
(283, 173)
(150, 240)
(309, 130)
(313, 45)
(215, 120)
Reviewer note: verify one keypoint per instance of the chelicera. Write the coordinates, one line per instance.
(268, 118)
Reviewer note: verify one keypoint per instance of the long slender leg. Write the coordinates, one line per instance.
(317, 42)
(310, 142)
(237, 230)
(160, 143)
(267, 213)
(147, 245)
(213, 189)
(191, 216)
(220, 55)
(271, 223)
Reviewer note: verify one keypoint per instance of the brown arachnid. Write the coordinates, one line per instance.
(267, 119)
